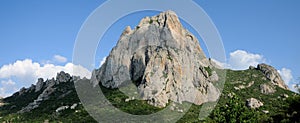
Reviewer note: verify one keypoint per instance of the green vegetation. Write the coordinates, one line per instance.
(235, 111)
(230, 107)
(151, 73)
(209, 70)
(151, 21)
(165, 75)
(169, 57)
(136, 107)
(46, 110)
(291, 112)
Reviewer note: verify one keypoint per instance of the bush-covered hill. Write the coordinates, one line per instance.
(279, 105)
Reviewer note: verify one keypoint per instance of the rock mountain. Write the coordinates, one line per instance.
(160, 61)
(163, 59)
(272, 74)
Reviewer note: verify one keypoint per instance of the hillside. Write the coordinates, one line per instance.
(157, 72)
(273, 109)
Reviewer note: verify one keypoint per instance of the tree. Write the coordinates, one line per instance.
(235, 111)
(291, 112)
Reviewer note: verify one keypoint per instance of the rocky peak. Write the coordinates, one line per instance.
(164, 61)
(272, 74)
(167, 19)
(63, 77)
(45, 89)
(39, 85)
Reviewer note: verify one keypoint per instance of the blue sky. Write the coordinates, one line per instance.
(44, 33)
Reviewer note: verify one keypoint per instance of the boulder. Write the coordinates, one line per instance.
(62, 108)
(254, 103)
(265, 111)
(74, 106)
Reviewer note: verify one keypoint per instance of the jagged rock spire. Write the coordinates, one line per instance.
(163, 59)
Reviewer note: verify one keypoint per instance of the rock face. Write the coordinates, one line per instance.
(45, 94)
(267, 89)
(272, 74)
(253, 103)
(63, 77)
(214, 77)
(39, 85)
(164, 60)
(22, 91)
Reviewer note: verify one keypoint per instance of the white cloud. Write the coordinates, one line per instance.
(220, 64)
(9, 82)
(59, 59)
(102, 61)
(240, 60)
(26, 72)
(296, 88)
(19, 69)
(6, 87)
(286, 75)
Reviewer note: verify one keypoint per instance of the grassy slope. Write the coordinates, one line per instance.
(233, 79)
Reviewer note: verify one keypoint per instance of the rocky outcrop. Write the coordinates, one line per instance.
(272, 74)
(254, 103)
(63, 77)
(42, 97)
(214, 77)
(47, 88)
(267, 89)
(22, 91)
(39, 85)
(62, 108)
(244, 86)
(164, 61)
(74, 106)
